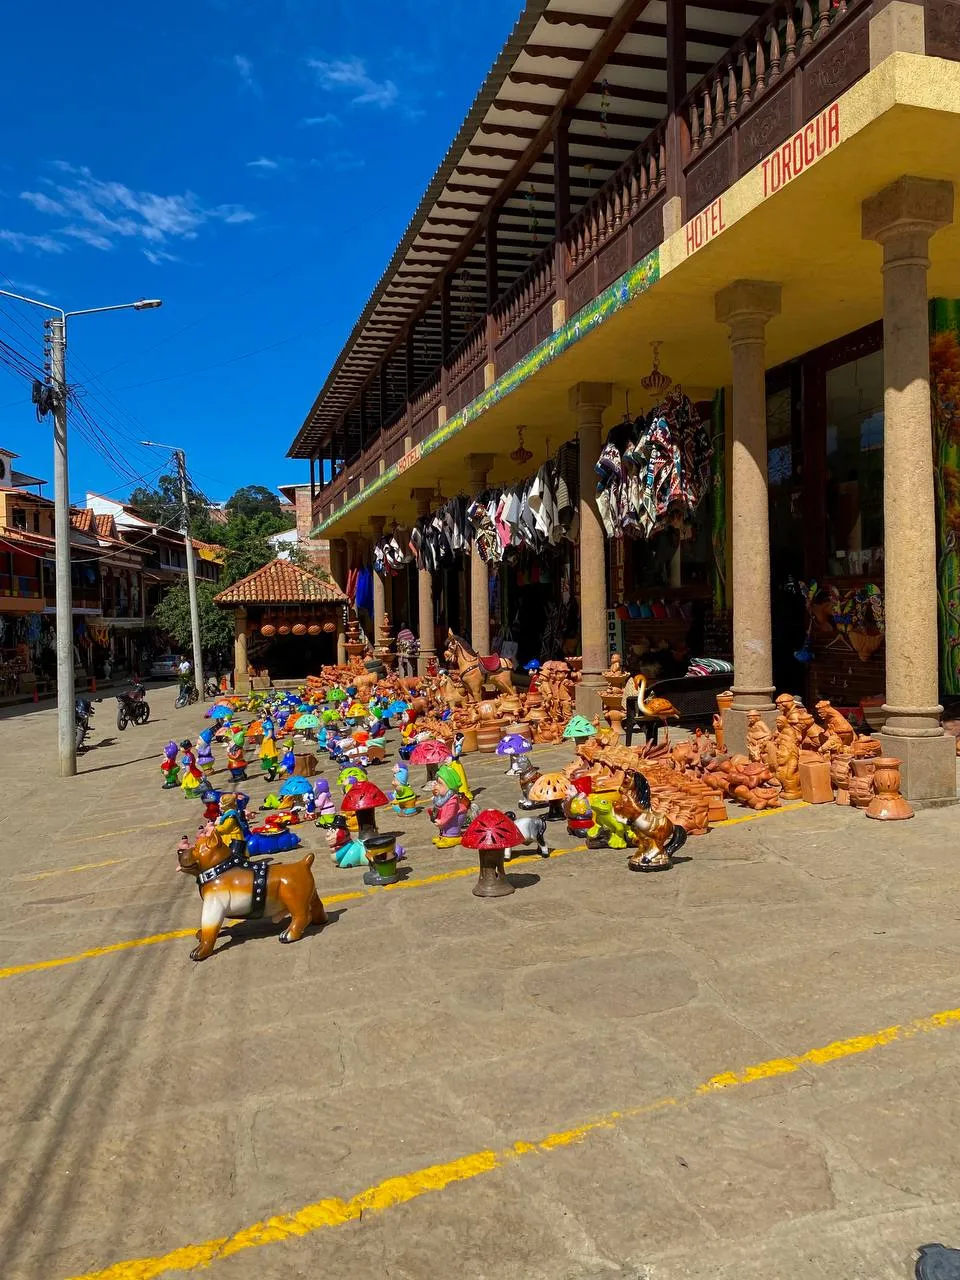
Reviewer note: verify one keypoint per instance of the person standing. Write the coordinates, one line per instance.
(406, 650)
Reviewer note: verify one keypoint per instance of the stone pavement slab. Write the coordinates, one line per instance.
(151, 1104)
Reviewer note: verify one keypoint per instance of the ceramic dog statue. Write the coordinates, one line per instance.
(230, 886)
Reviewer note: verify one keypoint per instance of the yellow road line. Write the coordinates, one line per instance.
(762, 813)
(18, 970)
(84, 866)
(332, 1212)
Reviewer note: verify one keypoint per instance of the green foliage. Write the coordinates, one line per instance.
(162, 505)
(255, 500)
(216, 624)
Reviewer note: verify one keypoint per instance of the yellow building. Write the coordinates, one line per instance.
(766, 192)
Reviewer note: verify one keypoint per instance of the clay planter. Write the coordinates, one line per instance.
(487, 737)
(724, 702)
(469, 741)
(861, 783)
(888, 805)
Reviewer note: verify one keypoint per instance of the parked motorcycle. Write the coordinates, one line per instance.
(132, 706)
(83, 710)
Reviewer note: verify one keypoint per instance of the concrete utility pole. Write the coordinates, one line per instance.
(66, 692)
(191, 570)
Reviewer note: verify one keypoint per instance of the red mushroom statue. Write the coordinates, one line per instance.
(432, 753)
(363, 800)
(490, 833)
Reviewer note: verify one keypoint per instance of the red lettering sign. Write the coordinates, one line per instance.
(705, 226)
(797, 153)
(408, 459)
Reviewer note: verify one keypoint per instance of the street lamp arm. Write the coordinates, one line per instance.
(143, 304)
(34, 302)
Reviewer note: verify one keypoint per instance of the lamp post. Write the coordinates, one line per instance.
(180, 459)
(57, 329)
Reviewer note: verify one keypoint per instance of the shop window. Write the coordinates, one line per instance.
(784, 478)
(854, 467)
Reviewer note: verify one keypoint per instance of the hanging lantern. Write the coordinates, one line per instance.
(313, 629)
(521, 454)
(283, 629)
(268, 630)
(656, 380)
(329, 628)
(299, 629)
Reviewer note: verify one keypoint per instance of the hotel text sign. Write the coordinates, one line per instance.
(799, 152)
(705, 226)
(408, 460)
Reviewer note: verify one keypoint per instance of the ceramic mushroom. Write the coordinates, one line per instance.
(490, 833)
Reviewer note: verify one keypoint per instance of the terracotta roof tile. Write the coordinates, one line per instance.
(106, 526)
(82, 520)
(281, 582)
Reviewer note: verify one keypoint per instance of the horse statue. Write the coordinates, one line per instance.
(474, 669)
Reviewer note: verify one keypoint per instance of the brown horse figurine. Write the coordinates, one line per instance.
(656, 837)
(474, 669)
(289, 891)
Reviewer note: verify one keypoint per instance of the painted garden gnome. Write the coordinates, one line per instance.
(448, 811)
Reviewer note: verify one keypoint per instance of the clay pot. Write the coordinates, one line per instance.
(487, 735)
(724, 701)
(469, 741)
(487, 711)
(283, 629)
(268, 630)
(314, 629)
(888, 805)
(299, 629)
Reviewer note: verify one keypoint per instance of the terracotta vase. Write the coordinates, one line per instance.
(861, 782)
(724, 702)
(488, 735)
(888, 805)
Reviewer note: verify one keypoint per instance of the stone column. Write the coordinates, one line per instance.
(903, 217)
(745, 307)
(588, 401)
(241, 681)
(478, 468)
(379, 581)
(425, 632)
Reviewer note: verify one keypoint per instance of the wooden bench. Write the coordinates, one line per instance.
(695, 698)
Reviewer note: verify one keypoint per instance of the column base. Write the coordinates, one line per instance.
(587, 698)
(928, 766)
(735, 725)
(241, 682)
(423, 662)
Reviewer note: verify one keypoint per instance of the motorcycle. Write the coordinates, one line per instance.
(132, 707)
(83, 711)
(188, 694)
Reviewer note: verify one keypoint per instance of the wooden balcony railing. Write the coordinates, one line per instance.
(795, 60)
(465, 368)
(423, 407)
(524, 315)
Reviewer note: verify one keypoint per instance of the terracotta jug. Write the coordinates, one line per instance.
(888, 805)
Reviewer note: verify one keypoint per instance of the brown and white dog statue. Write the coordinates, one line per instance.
(242, 890)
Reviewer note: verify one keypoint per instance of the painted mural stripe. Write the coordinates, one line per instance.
(331, 1212)
(637, 280)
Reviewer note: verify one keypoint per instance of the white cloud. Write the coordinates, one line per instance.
(31, 290)
(158, 256)
(262, 162)
(103, 214)
(327, 118)
(350, 76)
(19, 241)
(244, 69)
(42, 203)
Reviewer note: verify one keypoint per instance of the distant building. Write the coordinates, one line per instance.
(297, 499)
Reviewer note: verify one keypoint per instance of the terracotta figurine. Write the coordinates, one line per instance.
(759, 739)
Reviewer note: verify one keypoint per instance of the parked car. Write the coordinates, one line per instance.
(165, 667)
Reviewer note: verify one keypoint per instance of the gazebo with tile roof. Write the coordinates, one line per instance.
(305, 610)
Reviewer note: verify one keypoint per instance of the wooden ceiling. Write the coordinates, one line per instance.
(603, 65)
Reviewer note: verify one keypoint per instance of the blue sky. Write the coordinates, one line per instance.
(253, 163)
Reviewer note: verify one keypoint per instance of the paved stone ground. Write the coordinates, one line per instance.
(149, 1103)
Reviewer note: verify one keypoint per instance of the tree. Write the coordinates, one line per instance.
(162, 505)
(254, 500)
(245, 538)
(216, 624)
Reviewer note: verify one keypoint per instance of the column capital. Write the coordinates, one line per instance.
(906, 211)
(746, 306)
(596, 396)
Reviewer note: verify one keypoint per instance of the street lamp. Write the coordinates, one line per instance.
(66, 694)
